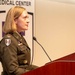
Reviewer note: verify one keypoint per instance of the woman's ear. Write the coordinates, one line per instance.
(15, 21)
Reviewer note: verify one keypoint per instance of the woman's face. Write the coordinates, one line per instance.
(22, 22)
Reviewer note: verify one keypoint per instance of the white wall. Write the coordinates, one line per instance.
(54, 29)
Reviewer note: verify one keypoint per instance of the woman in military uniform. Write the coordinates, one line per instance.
(15, 52)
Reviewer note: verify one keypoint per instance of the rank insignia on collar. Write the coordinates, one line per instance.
(7, 42)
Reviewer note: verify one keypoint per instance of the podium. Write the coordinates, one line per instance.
(62, 66)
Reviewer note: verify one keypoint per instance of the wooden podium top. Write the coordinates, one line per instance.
(62, 66)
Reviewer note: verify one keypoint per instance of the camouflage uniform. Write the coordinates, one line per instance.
(15, 55)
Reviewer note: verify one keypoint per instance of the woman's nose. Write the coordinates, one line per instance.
(28, 20)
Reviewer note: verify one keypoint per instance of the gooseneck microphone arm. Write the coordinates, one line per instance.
(34, 38)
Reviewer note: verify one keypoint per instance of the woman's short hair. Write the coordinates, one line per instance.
(12, 14)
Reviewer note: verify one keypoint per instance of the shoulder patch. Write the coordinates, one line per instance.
(7, 42)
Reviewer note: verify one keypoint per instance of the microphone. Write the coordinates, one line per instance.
(34, 38)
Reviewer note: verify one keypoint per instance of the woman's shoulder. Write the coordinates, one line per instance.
(13, 38)
(8, 38)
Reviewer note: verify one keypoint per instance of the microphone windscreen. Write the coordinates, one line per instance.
(34, 38)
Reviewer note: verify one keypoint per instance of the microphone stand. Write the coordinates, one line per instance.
(34, 38)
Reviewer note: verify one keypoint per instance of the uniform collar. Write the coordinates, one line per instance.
(17, 36)
(20, 38)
